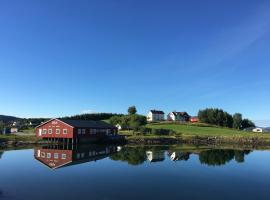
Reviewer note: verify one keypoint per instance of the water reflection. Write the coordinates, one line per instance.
(213, 157)
(221, 157)
(56, 157)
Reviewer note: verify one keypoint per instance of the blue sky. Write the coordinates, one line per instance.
(67, 57)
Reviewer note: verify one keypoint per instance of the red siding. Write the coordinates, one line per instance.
(55, 124)
(53, 158)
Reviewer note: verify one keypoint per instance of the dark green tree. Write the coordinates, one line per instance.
(132, 110)
(237, 120)
(246, 123)
(115, 120)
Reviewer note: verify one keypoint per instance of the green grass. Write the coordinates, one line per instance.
(189, 129)
(18, 138)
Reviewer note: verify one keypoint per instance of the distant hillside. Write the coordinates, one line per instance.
(93, 116)
(267, 129)
(6, 118)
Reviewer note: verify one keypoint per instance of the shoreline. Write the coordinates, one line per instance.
(152, 140)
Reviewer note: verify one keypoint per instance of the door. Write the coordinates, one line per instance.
(39, 132)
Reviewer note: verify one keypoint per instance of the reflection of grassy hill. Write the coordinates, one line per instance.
(198, 129)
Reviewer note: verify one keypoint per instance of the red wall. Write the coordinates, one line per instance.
(53, 162)
(55, 124)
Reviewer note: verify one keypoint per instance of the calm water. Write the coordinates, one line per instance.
(111, 172)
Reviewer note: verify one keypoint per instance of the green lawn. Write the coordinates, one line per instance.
(189, 129)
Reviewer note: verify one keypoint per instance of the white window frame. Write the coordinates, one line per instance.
(44, 131)
(93, 131)
(79, 131)
(42, 154)
(56, 155)
(49, 155)
(64, 156)
(65, 131)
(49, 131)
(57, 131)
(83, 131)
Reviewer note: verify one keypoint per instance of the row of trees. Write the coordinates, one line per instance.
(221, 118)
(130, 121)
(93, 116)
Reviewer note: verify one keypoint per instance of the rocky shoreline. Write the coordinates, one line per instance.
(194, 140)
(200, 141)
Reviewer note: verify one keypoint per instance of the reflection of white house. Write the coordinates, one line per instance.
(179, 156)
(178, 116)
(257, 130)
(155, 156)
(155, 115)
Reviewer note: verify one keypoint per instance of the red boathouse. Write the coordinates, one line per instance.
(74, 131)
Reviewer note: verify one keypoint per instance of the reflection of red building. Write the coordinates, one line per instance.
(74, 130)
(55, 158)
(194, 119)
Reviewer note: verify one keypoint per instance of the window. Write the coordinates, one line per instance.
(50, 131)
(79, 131)
(49, 155)
(64, 156)
(78, 156)
(83, 131)
(64, 131)
(93, 131)
(42, 154)
(57, 131)
(44, 131)
(56, 155)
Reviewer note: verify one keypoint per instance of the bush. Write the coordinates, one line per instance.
(143, 130)
(162, 132)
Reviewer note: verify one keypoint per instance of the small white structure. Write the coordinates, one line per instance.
(155, 156)
(118, 126)
(178, 116)
(257, 130)
(155, 115)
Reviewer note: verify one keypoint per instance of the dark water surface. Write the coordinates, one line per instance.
(111, 172)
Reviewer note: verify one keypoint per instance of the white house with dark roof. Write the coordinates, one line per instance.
(178, 116)
(155, 115)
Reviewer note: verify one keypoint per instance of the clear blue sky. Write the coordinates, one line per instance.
(67, 57)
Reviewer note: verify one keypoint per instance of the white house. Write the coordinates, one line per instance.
(178, 116)
(257, 130)
(155, 156)
(155, 115)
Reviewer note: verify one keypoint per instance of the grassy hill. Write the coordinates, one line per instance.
(199, 129)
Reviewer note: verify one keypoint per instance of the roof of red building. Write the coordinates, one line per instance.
(83, 123)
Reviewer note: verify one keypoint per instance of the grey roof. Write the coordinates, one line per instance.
(157, 111)
(180, 113)
(87, 123)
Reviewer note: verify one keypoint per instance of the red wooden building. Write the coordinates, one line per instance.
(56, 157)
(74, 131)
(194, 119)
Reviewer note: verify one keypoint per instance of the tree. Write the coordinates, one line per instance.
(2, 125)
(246, 123)
(136, 121)
(115, 120)
(237, 120)
(132, 110)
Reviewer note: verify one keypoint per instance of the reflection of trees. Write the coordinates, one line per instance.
(1, 153)
(133, 156)
(221, 157)
(240, 155)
